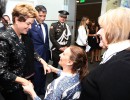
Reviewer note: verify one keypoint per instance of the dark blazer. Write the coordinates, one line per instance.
(41, 47)
(109, 81)
(12, 60)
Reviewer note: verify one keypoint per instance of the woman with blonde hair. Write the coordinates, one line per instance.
(110, 80)
(13, 53)
(83, 33)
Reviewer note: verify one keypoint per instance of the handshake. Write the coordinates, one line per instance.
(48, 68)
(29, 88)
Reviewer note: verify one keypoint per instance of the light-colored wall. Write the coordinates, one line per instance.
(104, 5)
(11, 4)
(109, 4)
(112, 4)
(72, 17)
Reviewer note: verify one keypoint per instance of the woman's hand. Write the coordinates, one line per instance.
(45, 66)
(30, 90)
(22, 81)
(53, 69)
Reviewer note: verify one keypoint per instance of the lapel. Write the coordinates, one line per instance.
(36, 28)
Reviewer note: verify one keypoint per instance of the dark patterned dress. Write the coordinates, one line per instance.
(12, 60)
(92, 40)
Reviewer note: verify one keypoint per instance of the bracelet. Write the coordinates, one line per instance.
(39, 59)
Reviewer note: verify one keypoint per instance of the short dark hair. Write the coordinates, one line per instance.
(2, 7)
(41, 8)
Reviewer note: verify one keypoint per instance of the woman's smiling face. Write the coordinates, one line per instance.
(65, 57)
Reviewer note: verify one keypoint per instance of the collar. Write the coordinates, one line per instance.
(114, 48)
(37, 22)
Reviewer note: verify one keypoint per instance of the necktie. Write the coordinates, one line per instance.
(41, 32)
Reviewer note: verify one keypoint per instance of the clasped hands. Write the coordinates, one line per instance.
(29, 88)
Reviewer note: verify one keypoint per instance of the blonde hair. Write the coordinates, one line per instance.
(116, 23)
(25, 10)
(83, 21)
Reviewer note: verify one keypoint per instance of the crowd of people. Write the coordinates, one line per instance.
(25, 53)
(88, 39)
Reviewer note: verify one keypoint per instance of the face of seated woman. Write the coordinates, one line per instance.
(65, 58)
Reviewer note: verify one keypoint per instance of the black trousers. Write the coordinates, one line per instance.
(39, 81)
(55, 58)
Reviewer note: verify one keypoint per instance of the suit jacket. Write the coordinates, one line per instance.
(41, 47)
(12, 60)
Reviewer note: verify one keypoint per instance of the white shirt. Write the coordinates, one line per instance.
(43, 31)
(114, 48)
(82, 36)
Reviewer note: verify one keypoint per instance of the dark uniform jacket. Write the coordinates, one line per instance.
(57, 37)
(12, 60)
(109, 81)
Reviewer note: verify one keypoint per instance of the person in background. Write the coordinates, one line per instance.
(92, 41)
(67, 85)
(13, 53)
(39, 35)
(6, 22)
(99, 49)
(82, 39)
(60, 37)
(2, 7)
(110, 80)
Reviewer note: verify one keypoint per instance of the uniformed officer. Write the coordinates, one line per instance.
(60, 37)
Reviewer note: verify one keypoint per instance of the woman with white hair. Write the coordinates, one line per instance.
(111, 79)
